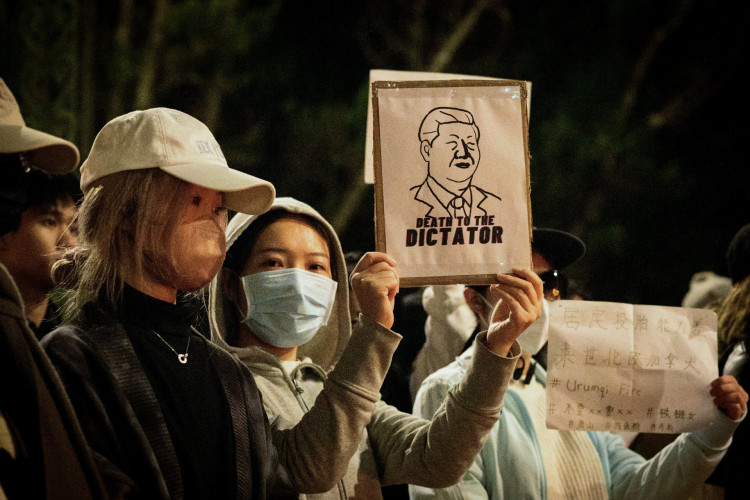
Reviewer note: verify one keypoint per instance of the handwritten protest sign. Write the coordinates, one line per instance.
(452, 179)
(623, 367)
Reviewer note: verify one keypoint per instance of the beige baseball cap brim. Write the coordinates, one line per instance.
(178, 144)
(242, 192)
(45, 151)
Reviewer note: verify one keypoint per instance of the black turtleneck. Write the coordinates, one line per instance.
(50, 322)
(190, 395)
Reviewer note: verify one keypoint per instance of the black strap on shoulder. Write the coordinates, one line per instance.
(228, 371)
(117, 351)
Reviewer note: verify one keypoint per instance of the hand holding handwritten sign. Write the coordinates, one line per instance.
(729, 396)
(623, 367)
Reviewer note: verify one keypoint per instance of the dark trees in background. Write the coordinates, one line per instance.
(638, 112)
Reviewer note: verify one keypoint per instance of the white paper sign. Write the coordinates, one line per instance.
(630, 368)
(451, 170)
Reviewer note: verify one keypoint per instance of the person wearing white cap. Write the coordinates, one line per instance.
(167, 413)
(43, 453)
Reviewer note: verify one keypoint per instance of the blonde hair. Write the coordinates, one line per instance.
(734, 316)
(120, 222)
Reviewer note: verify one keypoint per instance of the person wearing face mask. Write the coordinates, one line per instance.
(281, 305)
(524, 459)
(457, 313)
(167, 414)
(552, 251)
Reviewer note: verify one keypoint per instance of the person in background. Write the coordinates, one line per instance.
(707, 290)
(37, 207)
(36, 227)
(409, 321)
(43, 452)
(524, 459)
(456, 313)
(734, 335)
(167, 414)
(281, 305)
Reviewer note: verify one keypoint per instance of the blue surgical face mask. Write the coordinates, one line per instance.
(287, 307)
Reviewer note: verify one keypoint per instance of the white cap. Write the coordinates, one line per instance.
(45, 151)
(181, 146)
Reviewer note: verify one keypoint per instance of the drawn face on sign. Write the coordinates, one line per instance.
(453, 156)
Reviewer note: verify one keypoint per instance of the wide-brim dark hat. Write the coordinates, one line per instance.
(560, 248)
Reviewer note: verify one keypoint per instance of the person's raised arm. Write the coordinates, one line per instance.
(437, 453)
(331, 431)
(680, 468)
(520, 305)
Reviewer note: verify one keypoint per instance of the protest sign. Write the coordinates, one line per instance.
(633, 368)
(377, 75)
(452, 179)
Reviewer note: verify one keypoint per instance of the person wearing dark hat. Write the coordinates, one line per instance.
(457, 313)
(43, 453)
(734, 345)
(524, 459)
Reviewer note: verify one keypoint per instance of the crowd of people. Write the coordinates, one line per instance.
(152, 346)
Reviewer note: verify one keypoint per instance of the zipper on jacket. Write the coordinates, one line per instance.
(299, 390)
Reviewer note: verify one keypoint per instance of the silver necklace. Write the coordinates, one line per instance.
(182, 358)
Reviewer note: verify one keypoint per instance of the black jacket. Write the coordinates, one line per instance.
(51, 458)
(124, 425)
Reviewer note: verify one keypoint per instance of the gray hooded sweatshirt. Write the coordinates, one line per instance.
(333, 434)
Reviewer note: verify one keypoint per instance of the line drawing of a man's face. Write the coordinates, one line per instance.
(450, 146)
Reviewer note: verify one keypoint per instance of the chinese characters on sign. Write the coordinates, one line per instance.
(623, 367)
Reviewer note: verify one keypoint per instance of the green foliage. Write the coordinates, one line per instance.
(637, 119)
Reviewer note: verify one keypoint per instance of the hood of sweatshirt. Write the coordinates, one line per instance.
(325, 348)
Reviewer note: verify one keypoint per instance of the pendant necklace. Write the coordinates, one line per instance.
(182, 358)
